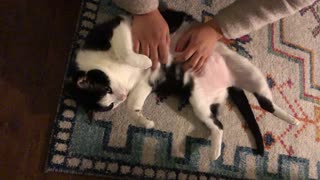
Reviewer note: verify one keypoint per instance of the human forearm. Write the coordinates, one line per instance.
(138, 6)
(244, 16)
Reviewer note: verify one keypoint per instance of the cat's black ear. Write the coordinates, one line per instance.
(80, 80)
(78, 75)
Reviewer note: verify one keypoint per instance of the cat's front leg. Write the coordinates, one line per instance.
(136, 101)
(121, 43)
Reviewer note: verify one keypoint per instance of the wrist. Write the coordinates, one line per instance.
(215, 26)
(156, 11)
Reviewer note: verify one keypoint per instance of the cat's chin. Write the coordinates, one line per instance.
(116, 104)
(113, 106)
(108, 108)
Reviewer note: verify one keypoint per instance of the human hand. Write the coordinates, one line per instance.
(196, 45)
(150, 33)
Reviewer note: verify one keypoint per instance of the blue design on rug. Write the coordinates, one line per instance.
(89, 142)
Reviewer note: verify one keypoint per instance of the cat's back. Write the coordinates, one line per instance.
(100, 36)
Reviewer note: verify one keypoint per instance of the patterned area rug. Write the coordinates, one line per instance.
(288, 53)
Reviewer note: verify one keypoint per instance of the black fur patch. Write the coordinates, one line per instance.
(239, 98)
(175, 19)
(218, 123)
(214, 110)
(185, 94)
(97, 87)
(173, 85)
(99, 37)
(265, 103)
(98, 78)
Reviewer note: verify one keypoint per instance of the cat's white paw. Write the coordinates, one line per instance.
(144, 61)
(149, 124)
(215, 153)
(216, 141)
(177, 152)
(141, 119)
(140, 61)
(295, 122)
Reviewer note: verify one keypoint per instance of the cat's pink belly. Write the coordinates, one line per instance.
(216, 76)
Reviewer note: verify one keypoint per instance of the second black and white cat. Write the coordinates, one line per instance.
(110, 73)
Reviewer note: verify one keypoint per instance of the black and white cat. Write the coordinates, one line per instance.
(110, 73)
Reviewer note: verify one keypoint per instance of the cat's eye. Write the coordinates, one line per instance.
(108, 90)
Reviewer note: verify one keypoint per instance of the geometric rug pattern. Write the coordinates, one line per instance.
(287, 52)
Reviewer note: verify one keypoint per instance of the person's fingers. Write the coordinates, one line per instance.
(186, 66)
(136, 45)
(200, 72)
(199, 65)
(185, 55)
(183, 42)
(195, 59)
(190, 64)
(168, 38)
(154, 57)
(144, 49)
(163, 52)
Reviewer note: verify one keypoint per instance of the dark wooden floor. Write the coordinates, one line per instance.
(35, 37)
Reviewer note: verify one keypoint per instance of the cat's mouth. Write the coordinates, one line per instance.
(108, 108)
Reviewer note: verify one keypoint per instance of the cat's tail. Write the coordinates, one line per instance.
(239, 98)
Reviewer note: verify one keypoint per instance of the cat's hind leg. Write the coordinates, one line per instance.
(249, 77)
(208, 113)
(121, 43)
(255, 82)
(271, 107)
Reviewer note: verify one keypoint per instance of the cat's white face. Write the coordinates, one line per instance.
(97, 91)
